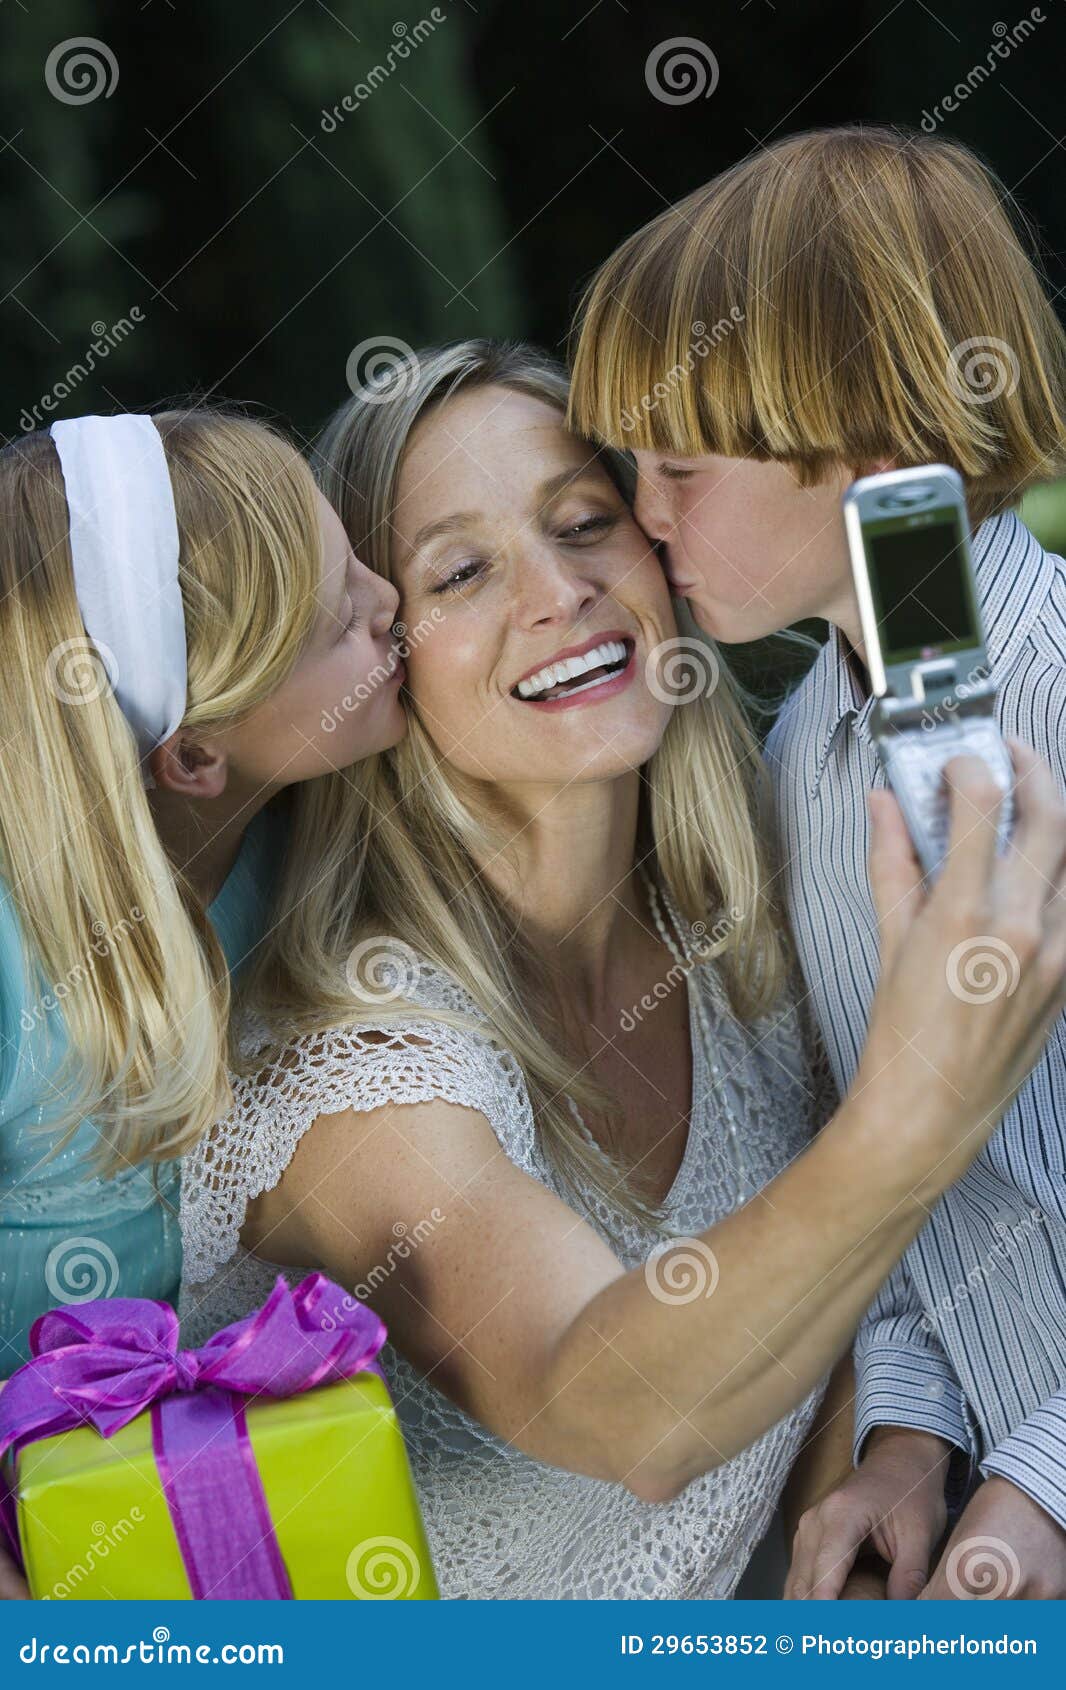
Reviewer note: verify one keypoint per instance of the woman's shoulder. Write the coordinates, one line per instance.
(436, 1050)
(422, 1006)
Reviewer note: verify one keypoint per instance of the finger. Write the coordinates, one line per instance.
(938, 1589)
(975, 800)
(835, 1557)
(909, 1572)
(798, 1579)
(863, 1586)
(895, 873)
(1038, 838)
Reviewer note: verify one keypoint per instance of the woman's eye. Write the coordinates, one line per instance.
(587, 526)
(673, 472)
(460, 576)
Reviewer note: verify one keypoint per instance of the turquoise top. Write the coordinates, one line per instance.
(66, 1233)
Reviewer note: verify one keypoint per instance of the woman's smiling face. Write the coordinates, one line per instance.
(515, 551)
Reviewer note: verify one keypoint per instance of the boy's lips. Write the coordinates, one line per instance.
(681, 589)
(673, 580)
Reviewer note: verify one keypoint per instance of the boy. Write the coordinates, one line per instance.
(847, 301)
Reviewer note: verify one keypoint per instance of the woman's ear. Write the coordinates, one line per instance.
(877, 466)
(190, 767)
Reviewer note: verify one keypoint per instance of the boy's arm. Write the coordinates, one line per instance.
(1033, 1456)
(904, 1377)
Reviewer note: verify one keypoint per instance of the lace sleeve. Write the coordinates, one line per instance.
(248, 1151)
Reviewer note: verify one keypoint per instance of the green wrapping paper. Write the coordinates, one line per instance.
(94, 1522)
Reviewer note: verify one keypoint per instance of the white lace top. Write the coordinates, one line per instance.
(500, 1523)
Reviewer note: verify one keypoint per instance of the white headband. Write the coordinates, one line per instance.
(124, 543)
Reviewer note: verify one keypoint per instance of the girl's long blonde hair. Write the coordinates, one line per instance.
(398, 844)
(110, 929)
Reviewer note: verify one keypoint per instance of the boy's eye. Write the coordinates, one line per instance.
(674, 472)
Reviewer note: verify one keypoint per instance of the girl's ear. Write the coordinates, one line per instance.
(190, 767)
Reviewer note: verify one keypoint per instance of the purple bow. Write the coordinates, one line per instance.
(102, 1363)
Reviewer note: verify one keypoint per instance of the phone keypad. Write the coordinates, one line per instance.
(914, 762)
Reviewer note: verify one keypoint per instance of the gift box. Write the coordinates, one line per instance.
(267, 1464)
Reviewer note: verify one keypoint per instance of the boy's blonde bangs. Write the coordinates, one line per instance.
(845, 296)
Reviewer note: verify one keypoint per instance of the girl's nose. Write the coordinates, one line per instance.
(386, 602)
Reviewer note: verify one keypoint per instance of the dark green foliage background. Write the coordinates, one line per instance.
(472, 193)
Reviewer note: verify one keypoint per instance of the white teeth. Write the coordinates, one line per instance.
(569, 668)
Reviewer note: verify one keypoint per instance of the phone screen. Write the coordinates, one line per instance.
(922, 586)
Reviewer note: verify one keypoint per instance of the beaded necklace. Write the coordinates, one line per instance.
(683, 954)
(678, 945)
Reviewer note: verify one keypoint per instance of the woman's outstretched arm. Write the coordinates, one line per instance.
(520, 1312)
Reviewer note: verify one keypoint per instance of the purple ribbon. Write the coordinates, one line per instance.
(102, 1363)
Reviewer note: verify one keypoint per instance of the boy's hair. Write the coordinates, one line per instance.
(845, 295)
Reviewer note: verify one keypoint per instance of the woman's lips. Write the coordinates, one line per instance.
(615, 683)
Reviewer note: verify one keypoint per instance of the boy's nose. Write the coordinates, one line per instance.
(651, 509)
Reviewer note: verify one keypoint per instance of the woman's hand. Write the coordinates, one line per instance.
(973, 974)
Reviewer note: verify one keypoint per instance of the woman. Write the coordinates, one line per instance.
(180, 613)
(552, 1115)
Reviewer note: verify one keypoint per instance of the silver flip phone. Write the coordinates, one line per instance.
(909, 538)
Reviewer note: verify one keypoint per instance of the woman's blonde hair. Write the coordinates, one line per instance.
(398, 841)
(110, 928)
(839, 297)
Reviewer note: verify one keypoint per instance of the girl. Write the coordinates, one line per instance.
(181, 618)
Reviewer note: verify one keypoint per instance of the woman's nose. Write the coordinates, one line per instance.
(553, 589)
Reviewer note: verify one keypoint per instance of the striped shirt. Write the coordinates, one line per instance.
(967, 1338)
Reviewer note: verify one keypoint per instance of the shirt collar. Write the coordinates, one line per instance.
(1014, 576)
(833, 694)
